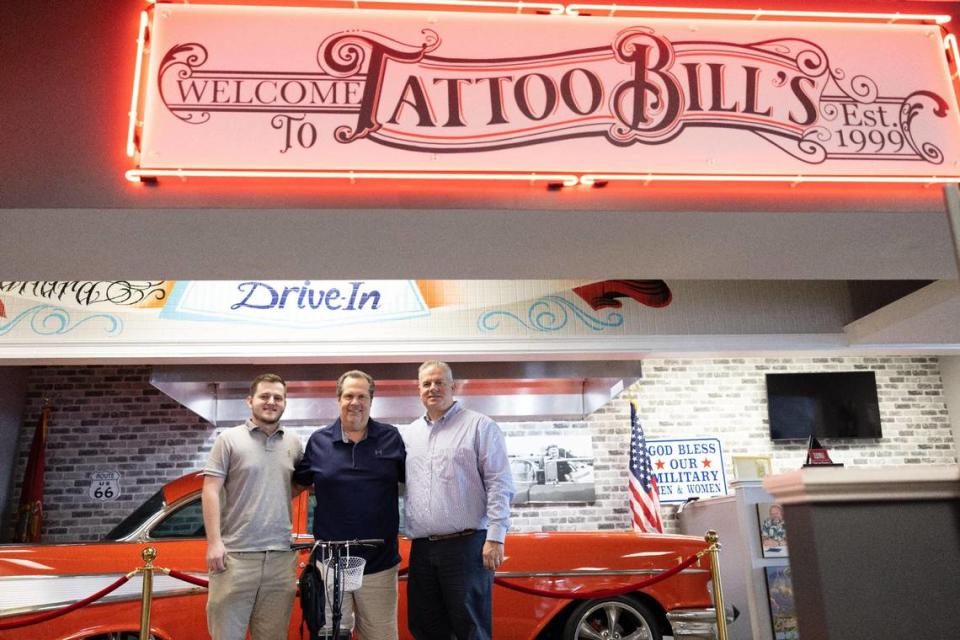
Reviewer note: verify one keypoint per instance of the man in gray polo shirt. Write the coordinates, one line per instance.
(247, 493)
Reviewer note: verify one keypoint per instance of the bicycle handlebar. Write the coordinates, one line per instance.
(367, 542)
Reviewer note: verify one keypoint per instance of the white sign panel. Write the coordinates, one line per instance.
(105, 485)
(282, 88)
(688, 468)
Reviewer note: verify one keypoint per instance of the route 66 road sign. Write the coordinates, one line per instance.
(105, 485)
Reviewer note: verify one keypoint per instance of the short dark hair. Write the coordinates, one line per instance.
(355, 373)
(269, 378)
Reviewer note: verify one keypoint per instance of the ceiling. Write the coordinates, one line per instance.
(66, 213)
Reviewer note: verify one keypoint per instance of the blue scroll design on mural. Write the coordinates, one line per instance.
(550, 313)
(49, 320)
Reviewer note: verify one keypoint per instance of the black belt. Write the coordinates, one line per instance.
(448, 536)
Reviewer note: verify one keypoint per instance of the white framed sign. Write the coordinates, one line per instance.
(687, 468)
(242, 88)
(105, 485)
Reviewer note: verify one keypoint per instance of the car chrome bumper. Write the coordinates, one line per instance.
(696, 624)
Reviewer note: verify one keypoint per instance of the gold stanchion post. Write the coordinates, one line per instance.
(149, 555)
(714, 541)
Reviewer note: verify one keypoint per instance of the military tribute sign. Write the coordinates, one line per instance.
(688, 468)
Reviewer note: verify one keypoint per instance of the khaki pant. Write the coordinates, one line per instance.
(371, 609)
(256, 590)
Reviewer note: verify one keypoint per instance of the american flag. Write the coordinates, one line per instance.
(644, 496)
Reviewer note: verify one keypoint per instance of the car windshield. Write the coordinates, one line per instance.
(133, 521)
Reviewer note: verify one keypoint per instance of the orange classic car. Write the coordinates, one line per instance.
(42, 578)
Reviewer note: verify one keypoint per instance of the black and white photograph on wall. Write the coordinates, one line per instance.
(773, 531)
(552, 468)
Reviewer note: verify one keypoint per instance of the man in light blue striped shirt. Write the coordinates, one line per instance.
(456, 509)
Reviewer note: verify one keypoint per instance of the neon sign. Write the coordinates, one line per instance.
(326, 93)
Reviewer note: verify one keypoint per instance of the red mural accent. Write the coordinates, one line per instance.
(604, 294)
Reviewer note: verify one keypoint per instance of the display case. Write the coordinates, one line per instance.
(875, 551)
(745, 568)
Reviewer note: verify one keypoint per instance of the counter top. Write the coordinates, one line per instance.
(833, 484)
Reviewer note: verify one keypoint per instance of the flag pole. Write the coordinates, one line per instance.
(30, 509)
(642, 482)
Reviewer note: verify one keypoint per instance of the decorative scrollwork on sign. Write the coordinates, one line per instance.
(862, 88)
(89, 292)
(550, 313)
(648, 106)
(806, 57)
(830, 111)
(843, 115)
(801, 148)
(181, 62)
(345, 54)
(912, 106)
(819, 134)
(126, 292)
(812, 61)
(810, 151)
(48, 320)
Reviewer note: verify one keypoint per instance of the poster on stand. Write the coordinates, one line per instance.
(783, 611)
(773, 530)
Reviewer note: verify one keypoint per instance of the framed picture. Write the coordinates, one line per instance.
(773, 530)
(751, 467)
(553, 468)
(783, 612)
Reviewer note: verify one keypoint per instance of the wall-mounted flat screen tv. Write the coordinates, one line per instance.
(826, 405)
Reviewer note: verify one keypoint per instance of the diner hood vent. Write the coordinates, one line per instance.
(538, 390)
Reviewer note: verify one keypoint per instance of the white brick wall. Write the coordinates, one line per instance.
(110, 418)
(726, 398)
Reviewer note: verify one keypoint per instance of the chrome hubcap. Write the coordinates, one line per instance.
(613, 621)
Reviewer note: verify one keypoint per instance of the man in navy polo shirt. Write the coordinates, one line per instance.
(355, 466)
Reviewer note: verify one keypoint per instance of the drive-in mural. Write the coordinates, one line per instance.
(316, 308)
(315, 318)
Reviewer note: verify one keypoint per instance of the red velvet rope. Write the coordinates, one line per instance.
(200, 582)
(56, 613)
(600, 593)
(186, 577)
(586, 595)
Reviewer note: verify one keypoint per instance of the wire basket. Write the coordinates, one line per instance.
(351, 572)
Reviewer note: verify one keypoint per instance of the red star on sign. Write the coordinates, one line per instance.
(706, 463)
(659, 464)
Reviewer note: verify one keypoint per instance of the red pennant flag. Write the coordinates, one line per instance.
(30, 513)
